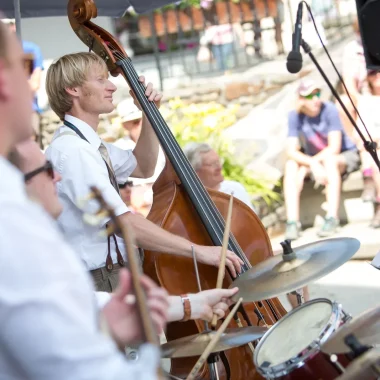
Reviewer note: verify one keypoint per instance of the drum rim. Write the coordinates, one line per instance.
(299, 360)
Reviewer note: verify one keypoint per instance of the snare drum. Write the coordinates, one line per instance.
(290, 349)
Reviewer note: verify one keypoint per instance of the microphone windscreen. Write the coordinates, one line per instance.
(294, 62)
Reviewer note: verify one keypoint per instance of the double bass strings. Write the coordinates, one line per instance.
(190, 175)
(169, 139)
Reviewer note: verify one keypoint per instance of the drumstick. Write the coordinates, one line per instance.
(214, 340)
(222, 265)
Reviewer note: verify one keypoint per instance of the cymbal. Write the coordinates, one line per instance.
(194, 345)
(365, 328)
(366, 366)
(294, 268)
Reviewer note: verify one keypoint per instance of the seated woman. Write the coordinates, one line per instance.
(317, 146)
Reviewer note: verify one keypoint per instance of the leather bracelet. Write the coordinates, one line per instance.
(186, 307)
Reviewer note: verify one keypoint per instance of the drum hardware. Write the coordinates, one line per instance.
(365, 328)
(280, 353)
(294, 269)
(356, 348)
(299, 294)
(366, 366)
(334, 360)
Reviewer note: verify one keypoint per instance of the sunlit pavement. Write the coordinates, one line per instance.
(356, 284)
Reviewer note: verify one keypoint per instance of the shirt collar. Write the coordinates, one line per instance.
(87, 131)
(12, 180)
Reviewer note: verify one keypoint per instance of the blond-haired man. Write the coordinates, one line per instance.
(79, 91)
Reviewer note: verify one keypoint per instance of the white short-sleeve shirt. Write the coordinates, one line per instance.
(80, 165)
(239, 192)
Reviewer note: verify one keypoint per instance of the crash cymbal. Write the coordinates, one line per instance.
(365, 328)
(366, 366)
(294, 268)
(194, 345)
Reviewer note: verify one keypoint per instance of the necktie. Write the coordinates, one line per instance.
(111, 173)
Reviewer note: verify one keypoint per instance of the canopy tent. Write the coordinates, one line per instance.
(45, 8)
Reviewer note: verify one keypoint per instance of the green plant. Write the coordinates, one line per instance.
(205, 122)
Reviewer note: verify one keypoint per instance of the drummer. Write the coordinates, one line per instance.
(41, 181)
(79, 91)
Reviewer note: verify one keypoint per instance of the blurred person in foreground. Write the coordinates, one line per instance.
(32, 51)
(317, 146)
(51, 281)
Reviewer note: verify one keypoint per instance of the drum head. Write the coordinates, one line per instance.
(294, 333)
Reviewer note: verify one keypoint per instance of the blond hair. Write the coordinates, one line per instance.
(69, 71)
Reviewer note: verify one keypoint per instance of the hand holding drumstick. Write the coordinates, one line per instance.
(222, 264)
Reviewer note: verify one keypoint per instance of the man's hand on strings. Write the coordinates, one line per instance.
(212, 256)
(209, 302)
(121, 312)
(152, 94)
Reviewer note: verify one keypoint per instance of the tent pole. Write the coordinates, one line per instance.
(17, 17)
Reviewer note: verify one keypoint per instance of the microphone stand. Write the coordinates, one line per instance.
(370, 146)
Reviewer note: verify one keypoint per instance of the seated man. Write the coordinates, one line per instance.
(208, 165)
(317, 146)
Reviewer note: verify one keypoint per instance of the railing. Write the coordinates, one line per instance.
(168, 41)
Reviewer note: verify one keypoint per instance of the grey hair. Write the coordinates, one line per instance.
(193, 153)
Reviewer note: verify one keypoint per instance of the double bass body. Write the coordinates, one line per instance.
(173, 210)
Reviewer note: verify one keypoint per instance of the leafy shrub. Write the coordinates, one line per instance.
(205, 122)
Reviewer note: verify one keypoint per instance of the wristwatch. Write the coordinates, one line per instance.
(186, 307)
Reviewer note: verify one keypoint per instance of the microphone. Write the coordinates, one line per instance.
(294, 60)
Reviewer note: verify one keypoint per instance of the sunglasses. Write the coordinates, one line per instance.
(124, 185)
(311, 96)
(48, 168)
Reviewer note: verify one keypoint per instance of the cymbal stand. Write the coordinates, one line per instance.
(299, 294)
(213, 358)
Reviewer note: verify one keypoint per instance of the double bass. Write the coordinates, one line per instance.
(183, 206)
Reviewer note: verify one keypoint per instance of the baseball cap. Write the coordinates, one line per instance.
(128, 111)
(307, 87)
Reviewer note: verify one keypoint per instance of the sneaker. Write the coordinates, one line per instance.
(329, 227)
(292, 231)
(369, 190)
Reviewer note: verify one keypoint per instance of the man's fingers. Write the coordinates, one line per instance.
(142, 79)
(158, 307)
(149, 89)
(219, 312)
(158, 322)
(160, 294)
(235, 261)
(124, 285)
(231, 267)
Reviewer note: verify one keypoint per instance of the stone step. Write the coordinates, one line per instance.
(368, 237)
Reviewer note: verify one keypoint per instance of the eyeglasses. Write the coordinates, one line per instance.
(311, 96)
(215, 164)
(124, 185)
(48, 168)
